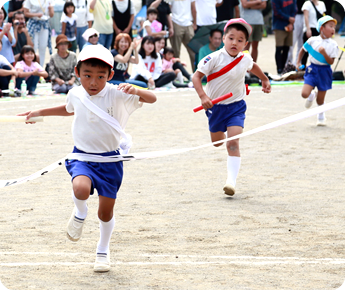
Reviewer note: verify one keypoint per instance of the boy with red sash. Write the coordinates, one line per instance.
(225, 70)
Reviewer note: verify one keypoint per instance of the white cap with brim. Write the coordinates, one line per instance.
(97, 52)
(323, 20)
(88, 32)
(240, 21)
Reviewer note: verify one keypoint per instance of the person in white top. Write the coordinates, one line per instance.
(183, 15)
(94, 136)
(206, 13)
(225, 70)
(69, 24)
(322, 52)
(151, 26)
(312, 11)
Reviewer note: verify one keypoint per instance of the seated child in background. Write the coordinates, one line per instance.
(151, 26)
(7, 72)
(91, 37)
(29, 69)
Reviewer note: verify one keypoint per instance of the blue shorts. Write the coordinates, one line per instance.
(105, 177)
(220, 117)
(319, 76)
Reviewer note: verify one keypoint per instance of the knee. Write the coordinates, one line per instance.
(81, 190)
(232, 145)
(105, 216)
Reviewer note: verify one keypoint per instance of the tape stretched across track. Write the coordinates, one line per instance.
(156, 154)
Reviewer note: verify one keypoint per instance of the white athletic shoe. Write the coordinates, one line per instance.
(229, 189)
(74, 227)
(321, 122)
(102, 263)
(309, 101)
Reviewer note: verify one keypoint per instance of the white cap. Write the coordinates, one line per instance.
(88, 32)
(98, 52)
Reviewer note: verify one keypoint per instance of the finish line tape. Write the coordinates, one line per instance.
(156, 154)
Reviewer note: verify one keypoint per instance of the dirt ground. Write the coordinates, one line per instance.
(175, 229)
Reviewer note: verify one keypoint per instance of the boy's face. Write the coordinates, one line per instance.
(234, 41)
(328, 29)
(152, 16)
(93, 78)
(93, 39)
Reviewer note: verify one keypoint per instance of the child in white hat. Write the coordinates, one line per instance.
(91, 37)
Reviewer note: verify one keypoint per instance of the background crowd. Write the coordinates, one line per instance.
(151, 44)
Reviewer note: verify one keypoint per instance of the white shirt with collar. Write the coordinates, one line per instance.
(330, 46)
(91, 134)
(230, 82)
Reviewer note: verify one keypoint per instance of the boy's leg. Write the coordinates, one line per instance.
(80, 194)
(233, 161)
(106, 225)
(320, 100)
(309, 94)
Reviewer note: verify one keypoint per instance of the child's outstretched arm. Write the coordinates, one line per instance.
(146, 96)
(206, 102)
(54, 111)
(265, 82)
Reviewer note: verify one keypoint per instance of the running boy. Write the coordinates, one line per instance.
(94, 136)
(322, 52)
(225, 70)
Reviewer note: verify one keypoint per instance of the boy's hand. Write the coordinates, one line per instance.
(30, 114)
(128, 89)
(266, 86)
(322, 50)
(206, 102)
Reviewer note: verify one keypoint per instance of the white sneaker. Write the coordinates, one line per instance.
(229, 189)
(74, 227)
(102, 263)
(309, 101)
(321, 122)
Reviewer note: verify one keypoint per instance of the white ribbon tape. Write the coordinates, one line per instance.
(155, 154)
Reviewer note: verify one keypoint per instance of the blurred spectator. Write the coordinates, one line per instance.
(14, 6)
(69, 24)
(38, 25)
(225, 10)
(297, 32)
(206, 13)
(183, 13)
(251, 11)
(214, 44)
(21, 34)
(61, 66)
(91, 37)
(102, 21)
(312, 11)
(84, 20)
(7, 37)
(153, 27)
(7, 71)
(284, 12)
(123, 17)
(164, 14)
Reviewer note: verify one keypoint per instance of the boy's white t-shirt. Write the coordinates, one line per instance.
(232, 81)
(181, 12)
(92, 134)
(312, 13)
(330, 46)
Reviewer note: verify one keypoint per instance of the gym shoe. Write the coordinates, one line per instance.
(229, 189)
(309, 101)
(102, 263)
(321, 122)
(74, 227)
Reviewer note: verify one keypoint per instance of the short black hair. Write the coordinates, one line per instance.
(68, 4)
(93, 62)
(168, 49)
(19, 12)
(215, 30)
(142, 52)
(238, 27)
(151, 10)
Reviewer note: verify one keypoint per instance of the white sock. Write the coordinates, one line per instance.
(312, 96)
(234, 164)
(321, 116)
(81, 207)
(180, 77)
(106, 229)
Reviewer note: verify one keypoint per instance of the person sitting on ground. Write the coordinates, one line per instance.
(123, 51)
(214, 44)
(29, 69)
(151, 26)
(21, 34)
(61, 66)
(7, 72)
(91, 37)
(149, 69)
